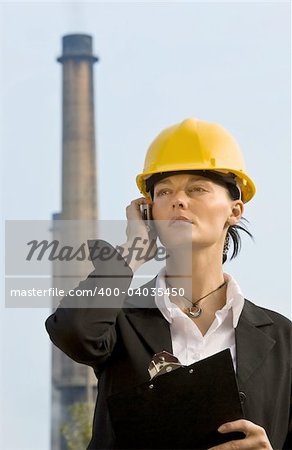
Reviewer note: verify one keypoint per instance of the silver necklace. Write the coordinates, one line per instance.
(195, 310)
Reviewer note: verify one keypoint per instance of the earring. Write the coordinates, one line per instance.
(226, 245)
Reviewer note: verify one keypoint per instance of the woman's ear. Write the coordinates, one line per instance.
(237, 212)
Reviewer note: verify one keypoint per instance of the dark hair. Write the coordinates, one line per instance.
(236, 238)
(233, 230)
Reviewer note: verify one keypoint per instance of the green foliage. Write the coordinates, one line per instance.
(77, 430)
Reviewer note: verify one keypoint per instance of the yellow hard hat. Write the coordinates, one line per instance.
(196, 145)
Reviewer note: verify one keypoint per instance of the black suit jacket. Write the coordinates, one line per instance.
(118, 339)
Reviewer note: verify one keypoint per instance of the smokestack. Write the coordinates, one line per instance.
(78, 164)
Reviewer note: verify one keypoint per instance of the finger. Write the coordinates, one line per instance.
(134, 206)
(243, 425)
(255, 436)
(141, 201)
(237, 425)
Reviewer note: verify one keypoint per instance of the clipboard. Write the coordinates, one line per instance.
(181, 409)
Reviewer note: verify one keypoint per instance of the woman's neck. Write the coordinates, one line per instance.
(198, 273)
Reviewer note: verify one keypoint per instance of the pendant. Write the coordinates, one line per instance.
(194, 311)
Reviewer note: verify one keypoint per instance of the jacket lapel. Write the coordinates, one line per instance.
(148, 322)
(152, 328)
(250, 334)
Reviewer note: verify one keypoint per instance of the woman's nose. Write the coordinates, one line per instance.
(180, 200)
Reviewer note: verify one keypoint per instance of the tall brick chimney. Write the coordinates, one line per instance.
(78, 165)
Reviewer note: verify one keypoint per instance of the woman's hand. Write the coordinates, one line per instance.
(141, 242)
(255, 436)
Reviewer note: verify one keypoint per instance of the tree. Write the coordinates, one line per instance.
(77, 430)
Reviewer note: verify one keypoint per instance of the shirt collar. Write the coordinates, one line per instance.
(234, 302)
(235, 298)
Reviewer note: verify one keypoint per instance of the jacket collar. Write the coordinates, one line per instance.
(250, 334)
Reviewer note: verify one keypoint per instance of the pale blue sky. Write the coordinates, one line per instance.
(159, 63)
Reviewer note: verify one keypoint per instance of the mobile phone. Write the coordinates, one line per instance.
(147, 216)
(146, 212)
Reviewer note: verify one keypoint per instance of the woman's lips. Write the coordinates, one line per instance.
(179, 219)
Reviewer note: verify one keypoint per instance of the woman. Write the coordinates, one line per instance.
(195, 181)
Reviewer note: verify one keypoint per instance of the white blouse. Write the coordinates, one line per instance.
(188, 343)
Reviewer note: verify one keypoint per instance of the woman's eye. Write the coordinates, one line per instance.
(162, 192)
(197, 189)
